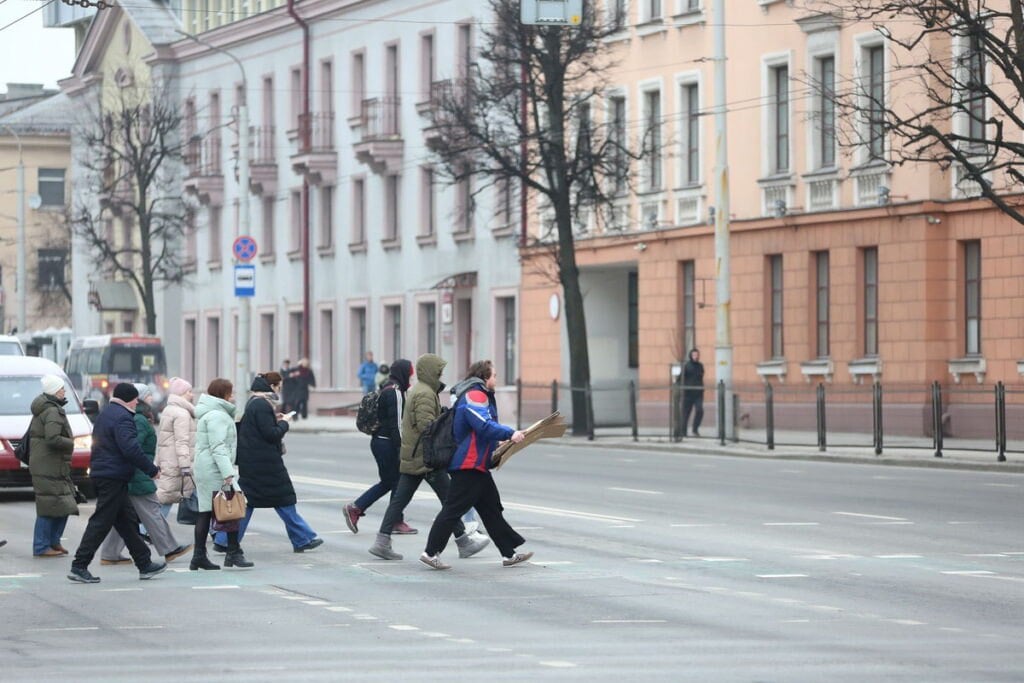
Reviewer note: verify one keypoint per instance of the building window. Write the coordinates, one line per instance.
(428, 328)
(974, 92)
(357, 342)
(295, 234)
(267, 245)
(51, 186)
(826, 111)
(326, 216)
(268, 340)
(870, 256)
(391, 208)
(393, 330)
(465, 50)
(51, 269)
(633, 305)
(875, 58)
(619, 141)
(821, 303)
(215, 215)
(189, 349)
(689, 325)
(213, 347)
(428, 202)
(427, 67)
(651, 9)
(775, 305)
(780, 113)
(972, 297)
(358, 84)
(618, 14)
(327, 348)
(191, 236)
(464, 204)
(358, 211)
(691, 134)
(652, 139)
(295, 341)
(506, 336)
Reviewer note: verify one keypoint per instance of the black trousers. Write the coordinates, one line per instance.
(693, 401)
(404, 491)
(113, 510)
(473, 489)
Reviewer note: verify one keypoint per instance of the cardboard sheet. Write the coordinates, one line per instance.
(551, 427)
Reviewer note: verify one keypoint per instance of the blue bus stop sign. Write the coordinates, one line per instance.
(245, 280)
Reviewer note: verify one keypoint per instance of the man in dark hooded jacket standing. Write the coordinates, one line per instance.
(693, 391)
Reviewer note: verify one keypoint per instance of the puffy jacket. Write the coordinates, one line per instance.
(115, 445)
(476, 428)
(261, 471)
(216, 438)
(176, 444)
(51, 445)
(140, 484)
(421, 407)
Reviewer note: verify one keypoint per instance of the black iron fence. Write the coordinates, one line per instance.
(933, 417)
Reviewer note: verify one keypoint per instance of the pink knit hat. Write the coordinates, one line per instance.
(179, 387)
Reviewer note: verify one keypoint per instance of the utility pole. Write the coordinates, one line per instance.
(20, 277)
(723, 309)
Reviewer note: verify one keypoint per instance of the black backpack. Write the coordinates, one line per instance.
(368, 416)
(438, 441)
(21, 450)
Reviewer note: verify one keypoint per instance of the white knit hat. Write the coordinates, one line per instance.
(51, 384)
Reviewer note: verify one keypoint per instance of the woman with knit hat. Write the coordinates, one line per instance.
(51, 443)
(176, 445)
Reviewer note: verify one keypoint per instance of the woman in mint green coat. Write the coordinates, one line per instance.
(214, 468)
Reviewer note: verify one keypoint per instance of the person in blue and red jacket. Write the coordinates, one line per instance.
(478, 433)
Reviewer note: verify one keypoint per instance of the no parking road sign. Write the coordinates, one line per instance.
(244, 248)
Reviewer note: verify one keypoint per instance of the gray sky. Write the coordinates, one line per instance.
(30, 53)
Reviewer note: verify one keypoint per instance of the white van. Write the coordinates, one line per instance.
(10, 346)
(19, 385)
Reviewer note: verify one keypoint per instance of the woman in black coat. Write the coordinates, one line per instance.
(262, 474)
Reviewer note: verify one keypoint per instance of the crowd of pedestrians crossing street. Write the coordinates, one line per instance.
(142, 467)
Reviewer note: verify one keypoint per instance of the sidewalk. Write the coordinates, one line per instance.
(621, 438)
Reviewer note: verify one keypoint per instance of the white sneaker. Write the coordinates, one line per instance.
(434, 562)
(518, 558)
(471, 544)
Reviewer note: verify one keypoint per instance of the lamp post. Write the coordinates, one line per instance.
(241, 379)
(723, 309)
(20, 276)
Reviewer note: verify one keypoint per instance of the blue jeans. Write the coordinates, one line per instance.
(47, 533)
(299, 531)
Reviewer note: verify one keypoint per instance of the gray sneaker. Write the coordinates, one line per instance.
(151, 570)
(470, 544)
(434, 562)
(384, 552)
(518, 558)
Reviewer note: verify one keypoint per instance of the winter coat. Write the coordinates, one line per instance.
(261, 471)
(51, 444)
(216, 437)
(176, 444)
(391, 404)
(367, 375)
(422, 407)
(302, 380)
(115, 445)
(476, 428)
(140, 484)
(693, 376)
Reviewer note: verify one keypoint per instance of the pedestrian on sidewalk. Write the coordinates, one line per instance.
(304, 381)
(478, 433)
(287, 381)
(423, 407)
(51, 444)
(142, 494)
(115, 456)
(693, 391)
(176, 446)
(386, 446)
(214, 469)
(262, 474)
(367, 372)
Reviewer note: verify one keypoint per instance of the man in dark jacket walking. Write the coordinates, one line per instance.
(693, 392)
(115, 456)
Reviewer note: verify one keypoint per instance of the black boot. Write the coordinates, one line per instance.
(236, 558)
(200, 560)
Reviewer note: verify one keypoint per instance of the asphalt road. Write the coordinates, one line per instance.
(649, 566)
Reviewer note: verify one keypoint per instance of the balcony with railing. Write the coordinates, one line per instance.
(262, 160)
(204, 176)
(381, 146)
(315, 156)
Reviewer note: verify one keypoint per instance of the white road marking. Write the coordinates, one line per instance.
(530, 528)
(335, 531)
(969, 572)
(554, 563)
(316, 603)
(837, 556)
(795, 621)
(956, 522)
(293, 597)
(20, 576)
(364, 617)
(643, 560)
(644, 491)
(906, 622)
(337, 608)
(984, 555)
(622, 526)
(951, 629)
(890, 523)
(692, 526)
(558, 664)
(781, 576)
(827, 608)
(717, 559)
(404, 627)
(789, 523)
(65, 628)
(213, 588)
(464, 641)
(861, 514)
(119, 590)
(898, 557)
(499, 649)
(325, 500)
(434, 634)
(628, 621)
(139, 628)
(1007, 486)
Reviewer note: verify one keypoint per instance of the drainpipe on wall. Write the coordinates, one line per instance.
(305, 129)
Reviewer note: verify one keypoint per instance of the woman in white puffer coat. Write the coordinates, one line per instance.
(176, 445)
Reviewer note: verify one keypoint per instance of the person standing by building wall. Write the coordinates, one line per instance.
(693, 391)
(367, 373)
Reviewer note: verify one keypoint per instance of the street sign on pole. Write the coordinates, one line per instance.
(245, 280)
(551, 12)
(244, 248)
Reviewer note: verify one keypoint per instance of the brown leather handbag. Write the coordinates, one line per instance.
(228, 505)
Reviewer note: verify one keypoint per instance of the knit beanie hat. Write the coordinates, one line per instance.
(51, 384)
(179, 387)
(126, 391)
(143, 390)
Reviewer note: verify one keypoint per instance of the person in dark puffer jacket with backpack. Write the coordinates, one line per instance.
(115, 456)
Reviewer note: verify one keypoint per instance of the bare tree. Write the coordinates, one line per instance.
(522, 116)
(132, 153)
(949, 94)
